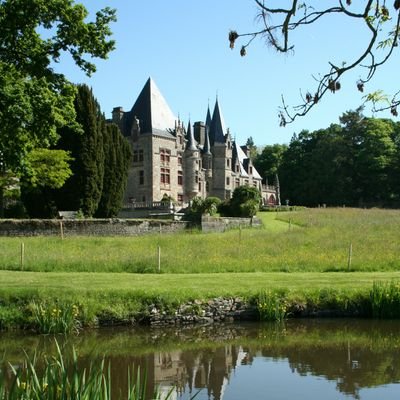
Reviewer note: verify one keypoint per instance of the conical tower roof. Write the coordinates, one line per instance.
(217, 128)
(207, 147)
(152, 111)
(208, 118)
(191, 143)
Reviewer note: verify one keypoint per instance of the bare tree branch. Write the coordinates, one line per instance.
(278, 24)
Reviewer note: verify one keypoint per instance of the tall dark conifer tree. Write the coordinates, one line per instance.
(117, 155)
(83, 190)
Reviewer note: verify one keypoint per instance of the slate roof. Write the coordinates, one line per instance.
(244, 161)
(191, 143)
(217, 127)
(208, 118)
(207, 147)
(153, 112)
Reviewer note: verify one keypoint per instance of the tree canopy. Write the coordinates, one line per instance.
(354, 163)
(35, 100)
(380, 19)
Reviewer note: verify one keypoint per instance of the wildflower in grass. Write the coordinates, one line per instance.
(272, 307)
(56, 318)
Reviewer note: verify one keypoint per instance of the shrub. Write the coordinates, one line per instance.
(210, 205)
(245, 202)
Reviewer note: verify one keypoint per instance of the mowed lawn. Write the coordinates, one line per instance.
(184, 286)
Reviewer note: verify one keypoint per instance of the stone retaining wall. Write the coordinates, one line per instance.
(114, 227)
(221, 224)
(205, 312)
(88, 227)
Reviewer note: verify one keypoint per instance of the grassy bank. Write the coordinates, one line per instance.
(39, 300)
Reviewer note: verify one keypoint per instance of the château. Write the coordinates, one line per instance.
(181, 162)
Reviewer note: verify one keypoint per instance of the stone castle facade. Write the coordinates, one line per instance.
(181, 162)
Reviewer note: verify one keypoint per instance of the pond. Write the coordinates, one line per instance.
(302, 359)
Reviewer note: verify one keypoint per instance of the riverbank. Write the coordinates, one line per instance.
(36, 301)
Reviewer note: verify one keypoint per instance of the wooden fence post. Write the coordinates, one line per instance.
(349, 258)
(22, 255)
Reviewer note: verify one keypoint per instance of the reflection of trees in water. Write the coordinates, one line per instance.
(354, 354)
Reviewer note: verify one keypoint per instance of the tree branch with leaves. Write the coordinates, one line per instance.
(381, 20)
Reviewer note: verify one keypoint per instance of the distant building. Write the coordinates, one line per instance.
(181, 162)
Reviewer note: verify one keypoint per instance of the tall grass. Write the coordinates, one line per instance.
(272, 306)
(57, 378)
(385, 300)
(310, 240)
(56, 317)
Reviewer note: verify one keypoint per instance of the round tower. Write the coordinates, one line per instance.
(192, 162)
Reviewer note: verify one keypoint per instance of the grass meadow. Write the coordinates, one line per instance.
(318, 258)
(314, 240)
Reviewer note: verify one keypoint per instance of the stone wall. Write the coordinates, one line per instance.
(221, 224)
(88, 227)
(115, 226)
(205, 312)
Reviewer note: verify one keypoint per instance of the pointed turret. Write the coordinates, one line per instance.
(207, 147)
(208, 118)
(217, 127)
(190, 144)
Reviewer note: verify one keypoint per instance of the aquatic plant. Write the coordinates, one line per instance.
(272, 306)
(385, 300)
(57, 317)
(57, 378)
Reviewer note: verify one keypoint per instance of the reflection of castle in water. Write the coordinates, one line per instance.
(202, 369)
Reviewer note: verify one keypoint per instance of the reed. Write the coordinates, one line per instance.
(272, 306)
(385, 300)
(55, 317)
(57, 378)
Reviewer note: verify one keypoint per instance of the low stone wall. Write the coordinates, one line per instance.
(205, 312)
(114, 227)
(87, 227)
(221, 224)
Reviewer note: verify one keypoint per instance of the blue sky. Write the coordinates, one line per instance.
(183, 46)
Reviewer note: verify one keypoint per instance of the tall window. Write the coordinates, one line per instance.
(228, 181)
(138, 155)
(180, 178)
(165, 156)
(165, 176)
(179, 160)
(141, 177)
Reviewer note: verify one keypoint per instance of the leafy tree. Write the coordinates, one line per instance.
(35, 100)
(352, 163)
(268, 161)
(245, 202)
(50, 169)
(252, 148)
(380, 21)
(117, 156)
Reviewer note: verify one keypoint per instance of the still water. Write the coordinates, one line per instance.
(300, 359)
